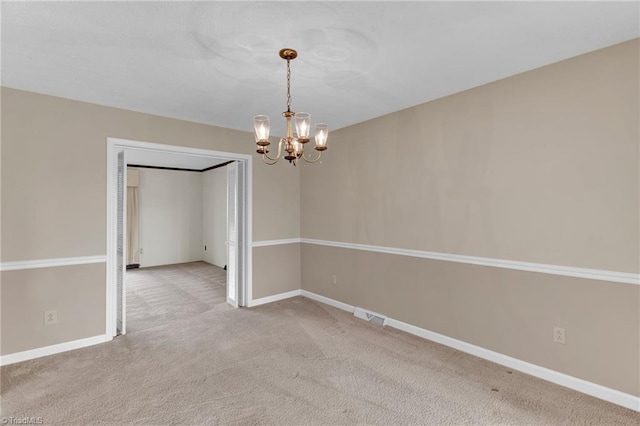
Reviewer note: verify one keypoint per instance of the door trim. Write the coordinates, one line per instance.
(114, 145)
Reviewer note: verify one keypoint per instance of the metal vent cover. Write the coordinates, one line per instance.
(369, 316)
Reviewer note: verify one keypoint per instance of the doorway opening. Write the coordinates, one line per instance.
(122, 152)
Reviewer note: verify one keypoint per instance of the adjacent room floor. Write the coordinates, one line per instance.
(167, 294)
(189, 358)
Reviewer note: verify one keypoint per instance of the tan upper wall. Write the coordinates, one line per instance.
(540, 167)
(54, 173)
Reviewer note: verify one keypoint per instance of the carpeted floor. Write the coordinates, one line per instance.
(191, 359)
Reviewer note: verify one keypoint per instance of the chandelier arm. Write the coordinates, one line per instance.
(275, 160)
(311, 161)
(269, 163)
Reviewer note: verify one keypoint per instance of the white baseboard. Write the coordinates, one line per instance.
(614, 396)
(327, 301)
(51, 350)
(589, 388)
(274, 298)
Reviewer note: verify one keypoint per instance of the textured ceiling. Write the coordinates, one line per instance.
(217, 62)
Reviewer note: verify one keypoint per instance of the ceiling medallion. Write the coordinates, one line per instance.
(294, 141)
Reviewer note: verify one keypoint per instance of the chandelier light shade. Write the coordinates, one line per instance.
(322, 132)
(261, 126)
(291, 146)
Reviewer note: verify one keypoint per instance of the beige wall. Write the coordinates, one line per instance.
(279, 266)
(53, 187)
(76, 292)
(540, 167)
(54, 173)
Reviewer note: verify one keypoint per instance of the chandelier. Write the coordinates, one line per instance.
(294, 142)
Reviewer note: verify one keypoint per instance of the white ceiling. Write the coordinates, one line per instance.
(218, 63)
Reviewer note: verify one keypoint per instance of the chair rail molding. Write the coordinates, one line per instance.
(569, 271)
(52, 262)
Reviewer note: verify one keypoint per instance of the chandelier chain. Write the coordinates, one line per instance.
(288, 86)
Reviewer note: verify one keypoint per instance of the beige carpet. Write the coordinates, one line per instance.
(191, 359)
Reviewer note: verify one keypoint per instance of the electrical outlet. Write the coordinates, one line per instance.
(334, 279)
(558, 335)
(205, 248)
(50, 317)
(141, 251)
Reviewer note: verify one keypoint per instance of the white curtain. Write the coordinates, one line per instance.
(133, 251)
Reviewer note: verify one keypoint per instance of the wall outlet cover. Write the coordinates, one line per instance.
(50, 317)
(558, 335)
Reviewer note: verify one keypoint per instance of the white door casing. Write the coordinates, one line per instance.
(232, 233)
(236, 201)
(121, 249)
(242, 292)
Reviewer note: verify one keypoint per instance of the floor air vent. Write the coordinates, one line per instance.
(372, 317)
